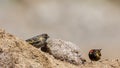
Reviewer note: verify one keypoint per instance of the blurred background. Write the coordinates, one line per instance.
(87, 23)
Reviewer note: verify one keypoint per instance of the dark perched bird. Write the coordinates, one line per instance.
(38, 41)
(95, 54)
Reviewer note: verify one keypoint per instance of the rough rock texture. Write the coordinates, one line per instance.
(16, 53)
(64, 50)
(104, 63)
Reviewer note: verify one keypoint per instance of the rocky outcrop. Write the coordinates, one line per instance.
(65, 51)
(16, 53)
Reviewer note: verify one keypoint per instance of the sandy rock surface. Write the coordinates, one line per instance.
(64, 50)
(16, 53)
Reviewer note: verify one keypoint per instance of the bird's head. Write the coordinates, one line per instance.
(45, 36)
(99, 49)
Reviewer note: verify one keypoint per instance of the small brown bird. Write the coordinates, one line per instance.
(38, 41)
(95, 54)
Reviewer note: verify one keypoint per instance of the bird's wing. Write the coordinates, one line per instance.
(32, 40)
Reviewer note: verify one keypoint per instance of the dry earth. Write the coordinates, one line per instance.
(16, 53)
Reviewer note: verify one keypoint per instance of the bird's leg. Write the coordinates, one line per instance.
(45, 48)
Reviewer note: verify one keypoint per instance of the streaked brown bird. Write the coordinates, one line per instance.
(38, 41)
(95, 54)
